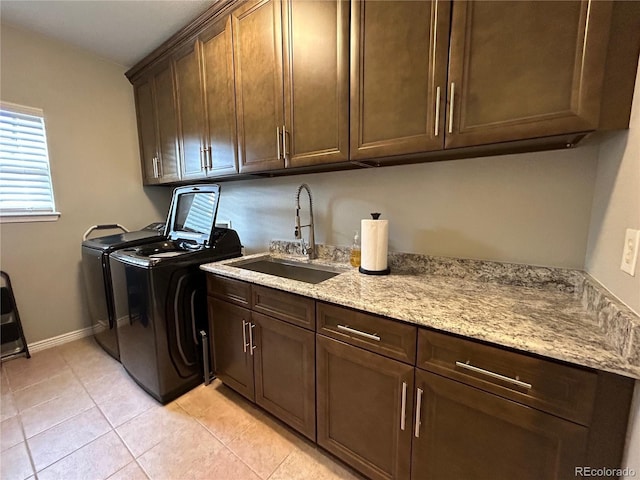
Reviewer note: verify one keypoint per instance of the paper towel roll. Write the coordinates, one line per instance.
(375, 243)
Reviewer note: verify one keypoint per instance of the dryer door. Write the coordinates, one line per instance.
(186, 315)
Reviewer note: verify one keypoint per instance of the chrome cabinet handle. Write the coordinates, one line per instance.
(278, 141)
(244, 336)
(436, 128)
(403, 411)
(154, 160)
(209, 158)
(372, 336)
(252, 347)
(488, 373)
(285, 143)
(418, 410)
(203, 165)
(160, 168)
(451, 100)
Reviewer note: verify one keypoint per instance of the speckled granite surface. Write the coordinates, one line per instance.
(561, 314)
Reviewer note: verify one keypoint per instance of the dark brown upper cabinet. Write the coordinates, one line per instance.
(219, 98)
(270, 86)
(291, 70)
(157, 125)
(525, 69)
(191, 112)
(487, 73)
(206, 103)
(257, 44)
(399, 56)
(316, 80)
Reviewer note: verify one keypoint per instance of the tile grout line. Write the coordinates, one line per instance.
(113, 428)
(225, 446)
(46, 401)
(73, 373)
(59, 396)
(71, 453)
(141, 468)
(26, 443)
(280, 464)
(19, 419)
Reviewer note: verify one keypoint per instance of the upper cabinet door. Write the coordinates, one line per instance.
(219, 98)
(257, 38)
(167, 125)
(147, 130)
(399, 55)
(525, 69)
(316, 76)
(191, 114)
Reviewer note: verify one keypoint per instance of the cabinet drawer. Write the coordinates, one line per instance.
(550, 386)
(285, 306)
(229, 289)
(377, 334)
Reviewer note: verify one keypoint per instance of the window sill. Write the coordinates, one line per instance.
(29, 217)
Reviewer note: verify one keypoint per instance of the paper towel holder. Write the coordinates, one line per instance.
(386, 271)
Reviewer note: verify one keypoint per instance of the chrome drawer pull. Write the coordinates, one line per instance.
(436, 128)
(252, 347)
(418, 411)
(515, 381)
(244, 336)
(403, 411)
(372, 336)
(451, 103)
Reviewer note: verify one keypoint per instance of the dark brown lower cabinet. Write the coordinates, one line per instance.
(231, 355)
(465, 433)
(464, 410)
(284, 372)
(266, 360)
(365, 406)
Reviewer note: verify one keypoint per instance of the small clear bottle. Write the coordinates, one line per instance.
(355, 251)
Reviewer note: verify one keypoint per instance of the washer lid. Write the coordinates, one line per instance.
(192, 215)
(121, 240)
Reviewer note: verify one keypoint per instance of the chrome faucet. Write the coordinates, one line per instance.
(310, 248)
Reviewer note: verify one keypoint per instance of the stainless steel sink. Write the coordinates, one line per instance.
(302, 272)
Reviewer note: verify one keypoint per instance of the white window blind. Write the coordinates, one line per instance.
(25, 178)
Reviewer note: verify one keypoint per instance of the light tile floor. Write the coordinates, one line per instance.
(72, 412)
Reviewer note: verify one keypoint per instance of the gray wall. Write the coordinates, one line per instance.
(529, 208)
(616, 207)
(93, 149)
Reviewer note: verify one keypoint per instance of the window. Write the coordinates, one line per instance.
(26, 192)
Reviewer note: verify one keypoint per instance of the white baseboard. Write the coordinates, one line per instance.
(60, 339)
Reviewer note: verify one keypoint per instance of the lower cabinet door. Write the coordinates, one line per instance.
(365, 407)
(464, 433)
(229, 327)
(284, 372)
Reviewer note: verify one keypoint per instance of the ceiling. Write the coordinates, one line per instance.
(123, 31)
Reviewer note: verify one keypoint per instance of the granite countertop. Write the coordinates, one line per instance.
(549, 321)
